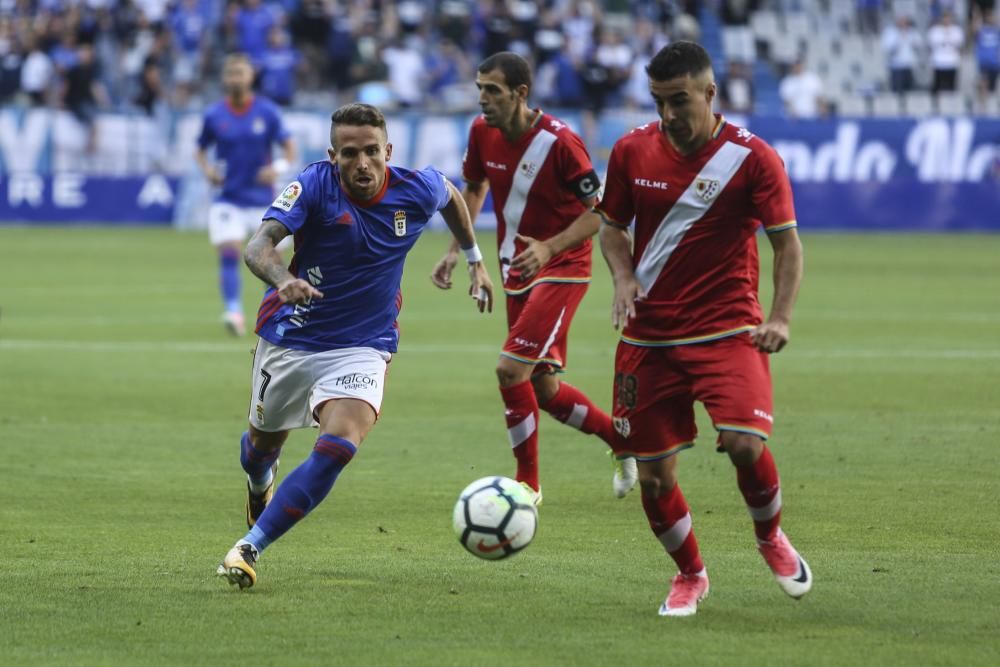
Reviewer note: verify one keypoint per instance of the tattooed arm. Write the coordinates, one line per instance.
(265, 261)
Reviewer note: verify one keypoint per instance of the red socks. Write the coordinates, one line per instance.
(670, 521)
(572, 407)
(759, 485)
(521, 414)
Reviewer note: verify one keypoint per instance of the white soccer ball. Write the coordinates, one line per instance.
(495, 518)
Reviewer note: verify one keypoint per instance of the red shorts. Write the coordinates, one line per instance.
(656, 387)
(538, 324)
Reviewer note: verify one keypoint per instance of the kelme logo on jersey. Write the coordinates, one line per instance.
(287, 198)
(399, 217)
(707, 189)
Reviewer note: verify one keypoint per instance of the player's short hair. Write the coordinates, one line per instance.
(678, 59)
(357, 113)
(515, 69)
(237, 57)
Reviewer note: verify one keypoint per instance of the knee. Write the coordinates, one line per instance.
(657, 477)
(267, 441)
(546, 387)
(511, 372)
(743, 448)
(651, 486)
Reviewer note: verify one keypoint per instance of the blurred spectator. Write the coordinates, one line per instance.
(455, 22)
(405, 64)
(312, 24)
(83, 92)
(558, 81)
(151, 98)
(36, 72)
(736, 89)
(901, 44)
(155, 11)
(10, 61)
(945, 40)
(578, 27)
(253, 22)
(869, 14)
(496, 26)
(738, 39)
(277, 67)
(189, 29)
(648, 38)
(801, 92)
(447, 72)
(988, 53)
(366, 59)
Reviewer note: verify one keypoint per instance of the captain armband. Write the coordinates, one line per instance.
(587, 186)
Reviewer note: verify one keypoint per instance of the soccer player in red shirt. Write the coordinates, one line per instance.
(698, 189)
(543, 183)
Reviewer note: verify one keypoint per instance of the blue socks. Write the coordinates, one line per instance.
(256, 463)
(229, 279)
(302, 490)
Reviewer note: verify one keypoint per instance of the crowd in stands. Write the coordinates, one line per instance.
(155, 55)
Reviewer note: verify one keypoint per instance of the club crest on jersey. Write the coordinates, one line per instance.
(288, 196)
(258, 126)
(707, 188)
(399, 218)
(528, 169)
(622, 425)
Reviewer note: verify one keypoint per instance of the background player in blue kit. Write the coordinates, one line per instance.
(327, 324)
(243, 129)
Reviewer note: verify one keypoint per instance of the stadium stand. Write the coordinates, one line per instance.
(155, 54)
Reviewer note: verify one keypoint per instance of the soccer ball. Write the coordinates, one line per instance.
(494, 518)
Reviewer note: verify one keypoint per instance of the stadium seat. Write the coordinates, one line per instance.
(918, 103)
(952, 104)
(738, 44)
(852, 106)
(764, 25)
(798, 26)
(989, 106)
(885, 105)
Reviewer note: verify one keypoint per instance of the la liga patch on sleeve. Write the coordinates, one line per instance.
(287, 198)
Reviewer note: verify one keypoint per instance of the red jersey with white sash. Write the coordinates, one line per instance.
(695, 250)
(537, 184)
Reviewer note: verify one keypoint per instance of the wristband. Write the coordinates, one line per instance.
(280, 165)
(473, 254)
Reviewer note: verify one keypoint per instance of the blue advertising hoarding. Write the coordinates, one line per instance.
(933, 174)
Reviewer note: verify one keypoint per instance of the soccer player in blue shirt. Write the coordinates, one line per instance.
(327, 324)
(243, 129)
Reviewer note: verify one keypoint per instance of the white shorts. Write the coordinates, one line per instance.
(228, 223)
(288, 385)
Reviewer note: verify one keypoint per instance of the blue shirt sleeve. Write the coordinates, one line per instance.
(437, 191)
(207, 136)
(293, 206)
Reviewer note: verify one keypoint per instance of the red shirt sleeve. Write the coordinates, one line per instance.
(772, 191)
(574, 161)
(472, 163)
(617, 201)
(575, 168)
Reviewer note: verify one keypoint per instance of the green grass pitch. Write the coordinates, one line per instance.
(121, 404)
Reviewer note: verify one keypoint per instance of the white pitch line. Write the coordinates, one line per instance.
(15, 344)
